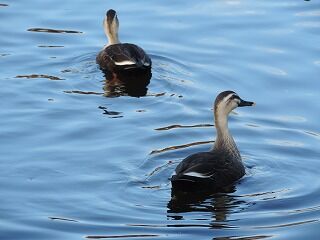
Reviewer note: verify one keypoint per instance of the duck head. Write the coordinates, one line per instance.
(111, 26)
(227, 101)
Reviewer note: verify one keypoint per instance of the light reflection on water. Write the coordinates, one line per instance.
(77, 164)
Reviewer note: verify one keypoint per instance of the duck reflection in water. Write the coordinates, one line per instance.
(130, 82)
(126, 66)
(219, 204)
(213, 210)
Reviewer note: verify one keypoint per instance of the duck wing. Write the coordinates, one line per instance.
(123, 56)
(206, 170)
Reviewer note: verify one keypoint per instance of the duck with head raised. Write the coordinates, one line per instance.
(117, 57)
(222, 165)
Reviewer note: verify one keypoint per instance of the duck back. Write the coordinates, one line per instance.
(123, 56)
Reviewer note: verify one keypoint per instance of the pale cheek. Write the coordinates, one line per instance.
(234, 105)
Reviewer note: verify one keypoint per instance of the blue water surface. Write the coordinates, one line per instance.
(76, 163)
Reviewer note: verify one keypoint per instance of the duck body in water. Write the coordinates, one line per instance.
(125, 62)
(222, 165)
(123, 56)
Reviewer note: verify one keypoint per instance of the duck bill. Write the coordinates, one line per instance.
(244, 103)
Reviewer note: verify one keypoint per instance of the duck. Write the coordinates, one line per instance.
(117, 57)
(222, 165)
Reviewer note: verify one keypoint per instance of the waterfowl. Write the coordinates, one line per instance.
(222, 165)
(117, 57)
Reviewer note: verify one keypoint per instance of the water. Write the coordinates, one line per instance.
(76, 164)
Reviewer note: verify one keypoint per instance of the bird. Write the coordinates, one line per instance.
(117, 57)
(219, 167)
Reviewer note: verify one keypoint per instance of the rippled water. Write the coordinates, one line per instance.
(76, 164)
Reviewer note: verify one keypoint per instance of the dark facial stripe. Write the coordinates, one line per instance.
(234, 96)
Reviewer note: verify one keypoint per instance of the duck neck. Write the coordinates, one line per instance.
(112, 35)
(224, 140)
(113, 38)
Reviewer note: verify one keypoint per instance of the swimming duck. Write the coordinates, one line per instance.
(222, 165)
(117, 57)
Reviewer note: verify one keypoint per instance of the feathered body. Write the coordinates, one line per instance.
(222, 165)
(123, 56)
(124, 61)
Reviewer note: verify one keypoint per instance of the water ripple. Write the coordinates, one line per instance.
(39, 76)
(48, 30)
(171, 148)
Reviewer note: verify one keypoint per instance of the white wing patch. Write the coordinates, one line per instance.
(127, 62)
(147, 64)
(196, 174)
